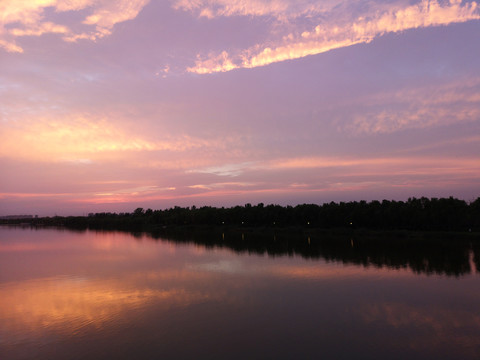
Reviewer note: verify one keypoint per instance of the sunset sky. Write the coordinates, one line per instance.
(112, 105)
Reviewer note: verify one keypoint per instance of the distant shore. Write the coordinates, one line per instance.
(416, 214)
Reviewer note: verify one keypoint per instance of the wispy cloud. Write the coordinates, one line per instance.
(222, 185)
(418, 108)
(81, 138)
(225, 170)
(316, 174)
(29, 18)
(280, 9)
(334, 30)
(33, 195)
(384, 165)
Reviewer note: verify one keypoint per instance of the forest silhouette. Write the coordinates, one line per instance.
(418, 214)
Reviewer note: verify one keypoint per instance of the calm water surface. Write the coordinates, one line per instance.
(99, 295)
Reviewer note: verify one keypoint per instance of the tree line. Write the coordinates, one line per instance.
(421, 214)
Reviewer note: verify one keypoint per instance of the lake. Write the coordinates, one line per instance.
(113, 295)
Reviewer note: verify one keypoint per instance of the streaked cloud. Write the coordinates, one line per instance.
(382, 166)
(32, 195)
(224, 170)
(80, 138)
(221, 185)
(422, 107)
(346, 174)
(335, 30)
(127, 195)
(317, 162)
(280, 9)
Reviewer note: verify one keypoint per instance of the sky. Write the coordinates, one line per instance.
(113, 105)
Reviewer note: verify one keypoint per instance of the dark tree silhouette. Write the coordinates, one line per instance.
(421, 214)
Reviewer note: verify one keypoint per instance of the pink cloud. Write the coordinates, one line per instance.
(337, 33)
(27, 18)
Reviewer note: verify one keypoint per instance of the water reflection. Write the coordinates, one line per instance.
(110, 295)
(68, 305)
(431, 255)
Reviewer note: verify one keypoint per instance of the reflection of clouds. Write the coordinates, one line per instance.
(320, 270)
(439, 326)
(52, 309)
(68, 304)
(223, 266)
(325, 271)
(107, 241)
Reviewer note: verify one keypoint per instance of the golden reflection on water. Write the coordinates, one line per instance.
(68, 304)
(330, 271)
(100, 281)
(75, 281)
